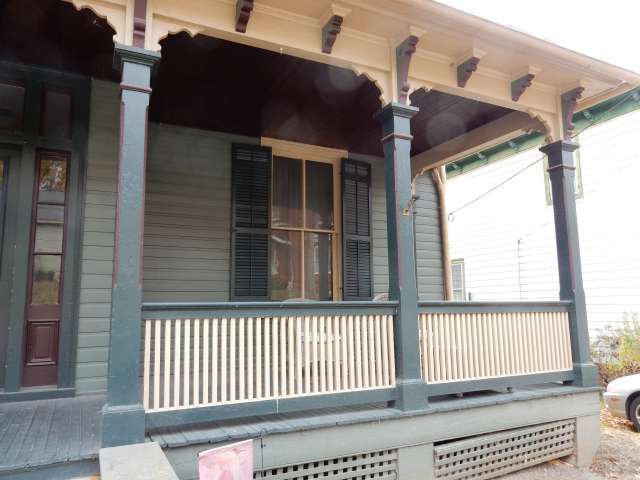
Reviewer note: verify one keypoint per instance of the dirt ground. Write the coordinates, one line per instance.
(617, 459)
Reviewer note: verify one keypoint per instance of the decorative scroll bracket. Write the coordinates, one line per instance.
(569, 101)
(466, 69)
(404, 51)
(139, 22)
(519, 85)
(243, 12)
(330, 32)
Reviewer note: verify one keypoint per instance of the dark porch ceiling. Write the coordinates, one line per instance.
(214, 84)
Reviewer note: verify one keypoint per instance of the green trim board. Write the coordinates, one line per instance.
(602, 112)
(31, 140)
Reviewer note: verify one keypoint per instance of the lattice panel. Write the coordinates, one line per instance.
(380, 465)
(490, 456)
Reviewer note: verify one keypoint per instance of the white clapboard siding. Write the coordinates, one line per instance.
(210, 361)
(456, 347)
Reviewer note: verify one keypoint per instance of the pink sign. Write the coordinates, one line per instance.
(231, 462)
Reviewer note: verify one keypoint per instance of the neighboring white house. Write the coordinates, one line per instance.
(504, 249)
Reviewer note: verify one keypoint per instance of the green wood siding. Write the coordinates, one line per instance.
(428, 240)
(98, 241)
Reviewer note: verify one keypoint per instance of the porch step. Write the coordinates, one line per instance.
(142, 461)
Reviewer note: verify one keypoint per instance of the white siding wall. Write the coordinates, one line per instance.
(507, 238)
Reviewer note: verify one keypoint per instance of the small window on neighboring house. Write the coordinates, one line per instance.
(457, 280)
(578, 183)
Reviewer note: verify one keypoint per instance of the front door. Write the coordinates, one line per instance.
(46, 272)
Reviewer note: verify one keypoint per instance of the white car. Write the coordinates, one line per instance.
(623, 398)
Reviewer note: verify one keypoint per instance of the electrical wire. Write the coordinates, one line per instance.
(594, 121)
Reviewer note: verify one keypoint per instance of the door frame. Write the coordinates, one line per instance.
(34, 79)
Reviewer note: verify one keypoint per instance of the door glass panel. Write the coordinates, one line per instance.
(56, 117)
(286, 265)
(287, 192)
(46, 280)
(318, 279)
(11, 106)
(319, 195)
(52, 181)
(49, 228)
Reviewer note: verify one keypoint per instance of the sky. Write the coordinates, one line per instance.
(604, 29)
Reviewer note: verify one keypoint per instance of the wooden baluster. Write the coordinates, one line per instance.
(186, 390)
(166, 377)
(177, 345)
(147, 365)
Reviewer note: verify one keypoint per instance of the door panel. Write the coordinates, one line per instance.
(46, 260)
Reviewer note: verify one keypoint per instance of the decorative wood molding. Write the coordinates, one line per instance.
(569, 101)
(330, 32)
(404, 51)
(466, 69)
(139, 22)
(519, 85)
(243, 12)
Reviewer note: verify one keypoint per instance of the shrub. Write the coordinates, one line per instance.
(616, 351)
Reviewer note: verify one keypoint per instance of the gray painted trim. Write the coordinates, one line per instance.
(449, 388)
(163, 419)
(37, 394)
(493, 307)
(153, 311)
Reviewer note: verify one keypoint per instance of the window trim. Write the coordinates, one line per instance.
(315, 153)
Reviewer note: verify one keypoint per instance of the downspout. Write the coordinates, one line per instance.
(439, 175)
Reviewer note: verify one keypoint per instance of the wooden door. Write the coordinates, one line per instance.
(46, 272)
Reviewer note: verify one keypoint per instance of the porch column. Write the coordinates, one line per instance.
(396, 141)
(562, 174)
(123, 415)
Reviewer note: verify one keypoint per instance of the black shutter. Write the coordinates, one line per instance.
(250, 222)
(356, 230)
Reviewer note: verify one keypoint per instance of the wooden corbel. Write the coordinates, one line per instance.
(569, 101)
(139, 22)
(332, 24)
(467, 65)
(522, 82)
(243, 12)
(404, 51)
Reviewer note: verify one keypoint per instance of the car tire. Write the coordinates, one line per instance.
(634, 412)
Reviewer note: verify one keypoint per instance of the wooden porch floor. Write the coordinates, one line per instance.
(49, 432)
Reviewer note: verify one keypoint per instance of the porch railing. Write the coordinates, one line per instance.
(471, 345)
(214, 355)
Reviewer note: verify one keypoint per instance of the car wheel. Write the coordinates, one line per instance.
(634, 413)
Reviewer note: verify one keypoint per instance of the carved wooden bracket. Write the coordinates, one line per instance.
(243, 12)
(330, 32)
(139, 22)
(569, 101)
(403, 58)
(519, 85)
(466, 69)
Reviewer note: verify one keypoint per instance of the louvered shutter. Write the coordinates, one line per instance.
(356, 230)
(250, 225)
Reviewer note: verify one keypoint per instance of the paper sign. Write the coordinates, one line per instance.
(231, 462)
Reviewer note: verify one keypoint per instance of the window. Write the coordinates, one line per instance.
(578, 177)
(458, 281)
(302, 229)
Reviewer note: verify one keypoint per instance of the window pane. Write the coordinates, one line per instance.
(46, 280)
(11, 105)
(319, 192)
(56, 118)
(286, 265)
(287, 192)
(318, 280)
(53, 181)
(49, 228)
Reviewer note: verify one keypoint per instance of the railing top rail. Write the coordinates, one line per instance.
(494, 307)
(158, 310)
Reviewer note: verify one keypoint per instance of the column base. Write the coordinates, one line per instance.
(585, 375)
(412, 395)
(122, 425)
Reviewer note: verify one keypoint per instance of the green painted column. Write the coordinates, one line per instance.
(396, 141)
(562, 174)
(123, 415)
